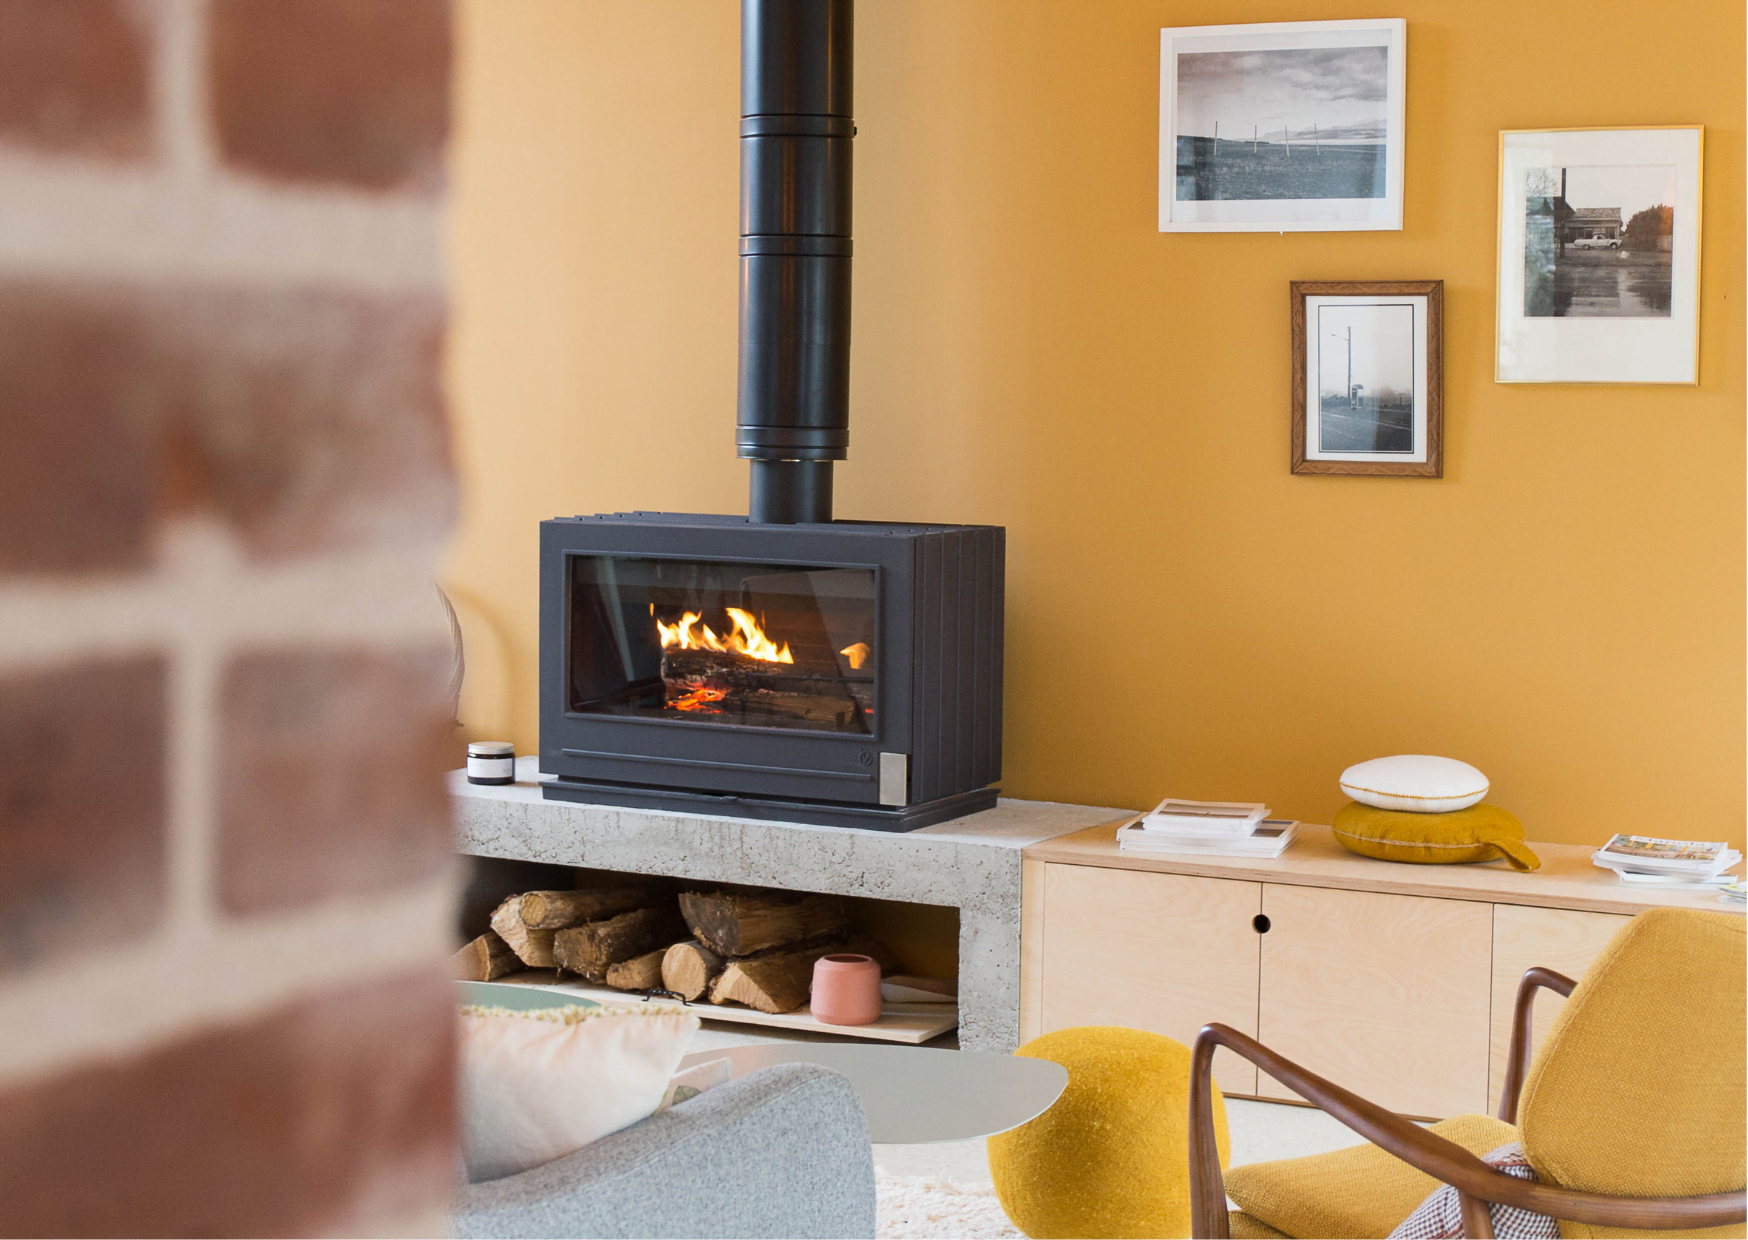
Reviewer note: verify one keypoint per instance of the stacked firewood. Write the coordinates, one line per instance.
(725, 944)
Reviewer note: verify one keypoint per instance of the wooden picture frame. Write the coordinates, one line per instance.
(1370, 403)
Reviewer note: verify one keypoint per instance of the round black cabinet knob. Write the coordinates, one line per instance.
(1260, 923)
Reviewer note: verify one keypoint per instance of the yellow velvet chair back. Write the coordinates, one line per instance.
(1638, 1089)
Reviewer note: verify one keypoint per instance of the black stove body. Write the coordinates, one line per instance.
(780, 665)
(842, 674)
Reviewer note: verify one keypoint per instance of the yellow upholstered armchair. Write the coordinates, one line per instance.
(1632, 1115)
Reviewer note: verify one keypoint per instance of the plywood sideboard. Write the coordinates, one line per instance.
(1395, 981)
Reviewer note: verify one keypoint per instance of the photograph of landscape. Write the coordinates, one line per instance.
(1365, 378)
(1303, 123)
(1598, 242)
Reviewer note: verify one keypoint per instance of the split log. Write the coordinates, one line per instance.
(590, 948)
(554, 910)
(484, 959)
(638, 973)
(882, 955)
(739, 924)
(773, 983)
(689, 968)
(532, 947)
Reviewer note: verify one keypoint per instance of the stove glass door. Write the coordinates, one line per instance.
(708, 641)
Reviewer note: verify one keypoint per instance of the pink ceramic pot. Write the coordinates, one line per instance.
(846, 990)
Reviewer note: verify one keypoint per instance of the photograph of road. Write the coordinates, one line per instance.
(1365, 378)
(1598, 242)
(1282, 125)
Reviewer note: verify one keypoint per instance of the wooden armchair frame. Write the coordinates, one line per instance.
(1476, 1183)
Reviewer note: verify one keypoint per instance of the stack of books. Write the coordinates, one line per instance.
(1644, 861)
(1208, 828)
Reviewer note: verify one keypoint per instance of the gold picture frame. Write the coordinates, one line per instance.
(1599, 248)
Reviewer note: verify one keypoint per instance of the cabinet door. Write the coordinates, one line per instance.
(1383, 995)
(1151, 951)
(1554, 938)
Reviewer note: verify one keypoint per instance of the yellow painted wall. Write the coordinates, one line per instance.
(1564, 609)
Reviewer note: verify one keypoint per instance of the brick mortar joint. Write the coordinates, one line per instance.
(203, 592)
(192, 975)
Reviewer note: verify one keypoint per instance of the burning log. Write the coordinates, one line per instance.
(741, 923)
(743, 671)
(485, 959)
(638, 973)
(590, 949)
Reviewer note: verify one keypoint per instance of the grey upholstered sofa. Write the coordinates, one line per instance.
(779, 1152)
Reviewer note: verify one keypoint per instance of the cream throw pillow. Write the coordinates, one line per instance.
(536, 1085)
(1417, 782)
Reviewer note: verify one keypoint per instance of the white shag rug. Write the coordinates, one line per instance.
(934, 1208)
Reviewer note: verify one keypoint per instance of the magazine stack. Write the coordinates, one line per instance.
(1208, 828)
(1645, 861)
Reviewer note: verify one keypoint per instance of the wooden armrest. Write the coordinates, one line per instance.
(1474, 1180)
(1517, 1062)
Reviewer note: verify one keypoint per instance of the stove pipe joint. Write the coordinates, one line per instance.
(796, 131)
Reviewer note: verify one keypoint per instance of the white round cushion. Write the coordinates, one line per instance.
(1416, 782)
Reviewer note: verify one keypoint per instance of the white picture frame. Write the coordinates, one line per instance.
(1330, 95)
(1599, 247)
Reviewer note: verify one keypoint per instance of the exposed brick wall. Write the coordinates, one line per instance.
(352, 91)
(84, 819)
(73, 77)
(286, 840)
(226, 883)
(330, 1115)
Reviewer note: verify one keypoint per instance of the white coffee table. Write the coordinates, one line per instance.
(916, 1095)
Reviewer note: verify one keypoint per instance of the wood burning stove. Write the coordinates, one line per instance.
(846, 673)
(804, 669)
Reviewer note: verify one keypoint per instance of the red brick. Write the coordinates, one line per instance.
(347, 91)
(78, 476)
(315, 419)
(309, 420)
(316, 1119)
(82, 808)
(331, 775)
(73, 77)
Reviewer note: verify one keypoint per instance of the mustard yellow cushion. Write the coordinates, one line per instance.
(1240, 1226)
(1638, 1089)
(1479, 833)
(1111, 1158)
(1357, 1192)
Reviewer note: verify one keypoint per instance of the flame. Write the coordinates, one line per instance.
(700, 699)
(857, 654)
(690, 633)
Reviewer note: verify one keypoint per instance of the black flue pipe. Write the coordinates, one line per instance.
(796, 131)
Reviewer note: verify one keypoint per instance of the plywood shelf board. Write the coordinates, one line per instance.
(1567, 879)
(1559, 939)
(912, 1023)
(1161, 952)
(1379, 992)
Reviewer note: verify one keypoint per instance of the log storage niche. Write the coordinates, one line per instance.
(735, 953)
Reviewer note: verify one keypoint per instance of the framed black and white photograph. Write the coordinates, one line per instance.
(1368, 377)
(1599, 235)
(1282, 126)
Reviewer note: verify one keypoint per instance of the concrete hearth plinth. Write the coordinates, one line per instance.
(972, 864)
